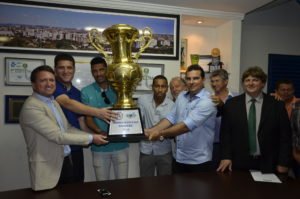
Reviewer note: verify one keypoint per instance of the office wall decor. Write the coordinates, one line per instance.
(149, 72)
(18, 70)
(13, 106)
(38, 27)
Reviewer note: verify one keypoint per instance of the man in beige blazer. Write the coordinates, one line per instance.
(47, 132)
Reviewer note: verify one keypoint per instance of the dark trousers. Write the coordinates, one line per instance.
(296, 169)
(72, 170)
(216, 155)
(250, 163)
(190, 168)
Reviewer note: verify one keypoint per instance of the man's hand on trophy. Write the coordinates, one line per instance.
(99, 139)
(107, 115)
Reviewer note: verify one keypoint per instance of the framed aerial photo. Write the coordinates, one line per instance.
(18, 70)
(46, 28)
(13, 106)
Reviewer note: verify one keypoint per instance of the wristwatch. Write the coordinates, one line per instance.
(161, 138)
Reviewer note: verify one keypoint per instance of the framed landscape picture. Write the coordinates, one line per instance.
(38, 27)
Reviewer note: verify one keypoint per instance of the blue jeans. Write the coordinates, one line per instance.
(102, 162)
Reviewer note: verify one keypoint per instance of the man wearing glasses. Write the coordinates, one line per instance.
(99, 94)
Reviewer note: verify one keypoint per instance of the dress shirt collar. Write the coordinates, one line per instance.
(198, 95)
(164, 103)
(43, 98)
(258, 99)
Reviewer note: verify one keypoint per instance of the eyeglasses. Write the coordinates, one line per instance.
(105, 98)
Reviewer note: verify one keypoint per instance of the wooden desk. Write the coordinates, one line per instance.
(238, 185)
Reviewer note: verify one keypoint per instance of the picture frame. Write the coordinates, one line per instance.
(13, 106)
(18, 70)
(183, 54)
(149, 72)
(83, 75)
(28, 28)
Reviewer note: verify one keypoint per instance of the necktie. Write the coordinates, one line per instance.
(252, 127)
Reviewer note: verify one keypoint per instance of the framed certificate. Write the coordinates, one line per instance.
(127, 127)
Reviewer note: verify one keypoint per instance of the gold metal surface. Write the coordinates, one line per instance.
(122, 73)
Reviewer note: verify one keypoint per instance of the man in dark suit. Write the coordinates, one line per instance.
(255, 129)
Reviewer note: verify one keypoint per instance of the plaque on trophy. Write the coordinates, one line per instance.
(127, 126)
(123, 74)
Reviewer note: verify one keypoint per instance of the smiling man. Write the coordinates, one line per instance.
(255, 129)
(69, 98)
(192, 121)
(48, 134)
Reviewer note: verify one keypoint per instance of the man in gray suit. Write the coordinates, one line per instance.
(47, 133)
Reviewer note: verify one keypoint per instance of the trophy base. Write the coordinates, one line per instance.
(128, 127)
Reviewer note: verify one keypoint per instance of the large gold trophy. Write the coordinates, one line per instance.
(123, 73)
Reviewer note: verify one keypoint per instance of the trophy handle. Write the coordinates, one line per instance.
(146, 38)
(95, 41)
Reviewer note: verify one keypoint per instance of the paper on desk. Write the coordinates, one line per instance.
(260, 177)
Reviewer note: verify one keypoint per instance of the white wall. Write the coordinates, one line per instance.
(229, 40)
(13, 159)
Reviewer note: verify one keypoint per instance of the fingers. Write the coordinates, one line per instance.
(224, 164)
(99, 139)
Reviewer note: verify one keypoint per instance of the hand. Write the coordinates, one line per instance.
(106, 114)
(276, 96)
(282, 169)
(99, 139)
(224, 164)
(152, 135)
(217, 100)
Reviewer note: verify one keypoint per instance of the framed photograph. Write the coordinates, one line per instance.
(13, 106)
(183, 54)
(18, 70)
(83, 75)
(44, 27)
(149, 72)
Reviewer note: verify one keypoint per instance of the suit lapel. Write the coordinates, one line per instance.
(267, 104)
(244, 118)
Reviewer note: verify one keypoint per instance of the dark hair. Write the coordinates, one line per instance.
(283, 81)
(35, 72)
(256, 72)
(221, 73)
(98, 60)
(159, 77)
(63, 56)
(195, 67)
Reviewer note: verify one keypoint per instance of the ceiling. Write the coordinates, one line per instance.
(231, 6)
(239, 6)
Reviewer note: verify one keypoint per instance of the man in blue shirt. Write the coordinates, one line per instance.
(69, 99)
(99, 94)
(192, 121)
(155, 155)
